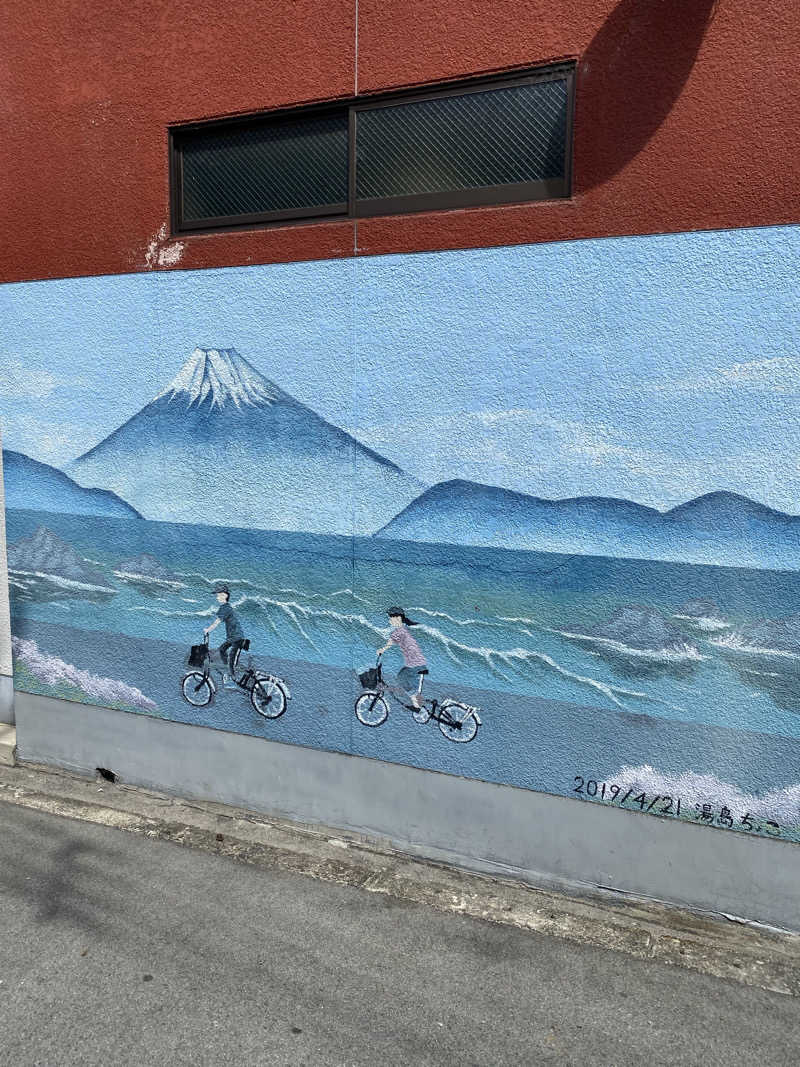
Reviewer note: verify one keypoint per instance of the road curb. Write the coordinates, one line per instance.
(713, 945)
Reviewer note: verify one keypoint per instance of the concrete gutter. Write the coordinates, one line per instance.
(714, 945)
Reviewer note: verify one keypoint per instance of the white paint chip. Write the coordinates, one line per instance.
(161, 254)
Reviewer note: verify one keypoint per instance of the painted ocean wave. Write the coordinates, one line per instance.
(477, 622)
(61, 582)
(687, 654)
(503, 663)
(147, 579)
(735, 643)
(517, 659)
(58, 675)
(782, 805)
(299, 615)
(706, 623)
(243, 583)
(488, 628)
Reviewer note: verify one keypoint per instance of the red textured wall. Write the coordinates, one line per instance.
(686, 116)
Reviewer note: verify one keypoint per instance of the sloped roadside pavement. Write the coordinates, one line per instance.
(753, 956)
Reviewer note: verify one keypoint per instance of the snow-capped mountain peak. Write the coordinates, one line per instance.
(225, 446)
(220, 375)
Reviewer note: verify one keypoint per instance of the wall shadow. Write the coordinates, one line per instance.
(630, 78)
(45, 866)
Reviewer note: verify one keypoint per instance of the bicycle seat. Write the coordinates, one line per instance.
(424, 671)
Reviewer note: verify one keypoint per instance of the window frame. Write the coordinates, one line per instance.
(352, 208)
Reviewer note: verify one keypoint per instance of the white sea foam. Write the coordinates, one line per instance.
(734, 643)
(300, 615)
(517, 658)
(56, 672)
(782, 805)
(146, 579)
(202, 579)
(168, 613)
(706, 623)
(497, 661)
(67, 583)
(244, 583)
(296, 611)
(478, 621)
(519, 620)
(289, 608)
(681, 655)
(346, 593)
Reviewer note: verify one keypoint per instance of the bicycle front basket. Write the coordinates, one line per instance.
(369, 679)
(197, 655)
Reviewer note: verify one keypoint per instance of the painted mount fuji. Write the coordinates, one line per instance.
(223, 445)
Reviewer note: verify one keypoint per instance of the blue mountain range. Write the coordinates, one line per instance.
(717, 528)
(222, 445)
(40, 487)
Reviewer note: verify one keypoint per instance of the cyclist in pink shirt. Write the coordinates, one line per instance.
(413, 659)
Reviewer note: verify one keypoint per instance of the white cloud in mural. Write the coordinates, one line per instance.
(21, 381)
(532, 451)
(532, 445)
(779, 374)
(43, 438)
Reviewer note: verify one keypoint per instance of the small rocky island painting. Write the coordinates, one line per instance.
(563, 504)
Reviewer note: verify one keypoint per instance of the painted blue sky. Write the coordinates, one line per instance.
(653, 368)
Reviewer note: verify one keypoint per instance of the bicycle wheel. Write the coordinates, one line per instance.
(268, 697)
(421, 715)
(461, 723)
(372, 709)
(196, 689)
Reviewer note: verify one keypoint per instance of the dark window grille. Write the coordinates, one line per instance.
(266, 168)
(501, 141)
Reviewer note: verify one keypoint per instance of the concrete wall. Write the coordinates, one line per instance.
(6, 684)
(560, 435)
(547, 841)
(570, 465)
(684, 112)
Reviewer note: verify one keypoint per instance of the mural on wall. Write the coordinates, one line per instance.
(5, 622)
(529, 515)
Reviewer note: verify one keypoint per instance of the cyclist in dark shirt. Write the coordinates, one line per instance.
(234, 635)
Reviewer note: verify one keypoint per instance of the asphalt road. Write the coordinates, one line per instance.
(120, 949)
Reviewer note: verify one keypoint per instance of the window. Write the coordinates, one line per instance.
(498, 142)
(283, 169)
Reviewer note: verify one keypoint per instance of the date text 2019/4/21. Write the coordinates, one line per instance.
(710, 813)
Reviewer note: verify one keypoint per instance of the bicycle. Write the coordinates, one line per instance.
(268, 694)
(457, 721)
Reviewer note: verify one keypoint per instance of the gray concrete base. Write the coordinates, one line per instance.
(8, 745)
(6, 699)
(549, 841)
(747, 954)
